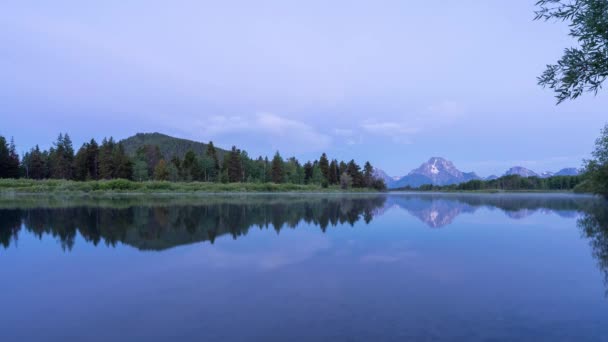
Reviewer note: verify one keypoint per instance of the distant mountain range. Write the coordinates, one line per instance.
(439, 171)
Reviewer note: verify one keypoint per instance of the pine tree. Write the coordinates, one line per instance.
(333, 172)
(4, 158)
(324, 166)
(81, 163)
(354, 171)
(308, 172)
(277, 168)
(212, 153)
(106, 160)
(62, 158)
(122, 163)
(86, 162)
(36, 164)
(368, 174)
(13, 161)
(235, 171)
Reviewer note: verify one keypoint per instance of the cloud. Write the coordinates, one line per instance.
(398, 132)
(288, 131)
(344, 132)
(447, 109)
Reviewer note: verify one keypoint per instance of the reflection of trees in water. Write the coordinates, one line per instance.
(594, 225)
(156, 227)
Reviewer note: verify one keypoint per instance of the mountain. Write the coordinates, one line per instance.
(546, 174)
(570, 171)
(520, 171)
(491, 177)
(380, 174)
(436, 171)
(169, 146)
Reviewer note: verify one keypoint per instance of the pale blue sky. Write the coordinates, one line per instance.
(393, 82)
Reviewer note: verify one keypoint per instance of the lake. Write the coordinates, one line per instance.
(302, 267)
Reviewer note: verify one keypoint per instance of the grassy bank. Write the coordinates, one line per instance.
(52, 186)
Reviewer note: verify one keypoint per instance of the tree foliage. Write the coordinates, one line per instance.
(597, 168)
(109, 160)
(583, 68)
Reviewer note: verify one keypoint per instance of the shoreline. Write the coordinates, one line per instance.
(11, 187)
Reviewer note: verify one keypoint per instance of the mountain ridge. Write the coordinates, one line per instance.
(440, 171)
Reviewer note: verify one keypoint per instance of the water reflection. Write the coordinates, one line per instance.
(440, 210)
(165, 222)
(161, 223)
(594, 224)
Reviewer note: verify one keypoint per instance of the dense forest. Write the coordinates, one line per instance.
(513, 183)
(164, 162)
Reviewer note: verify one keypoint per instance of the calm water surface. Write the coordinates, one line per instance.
(305, 267)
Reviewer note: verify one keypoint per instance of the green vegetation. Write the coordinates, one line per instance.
(513, 183)
(584, 68)
(192, 166)
(168, 146)
(57, 186)
(597, 168)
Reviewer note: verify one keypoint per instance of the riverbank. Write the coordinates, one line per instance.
(123, 186)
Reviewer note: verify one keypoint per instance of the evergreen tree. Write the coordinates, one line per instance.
(277, 168)
(93, 159)
(122, 163)
(212, 154)
(324, 166)
(62, 158)
(86, 162)
(107, 168)
(80, 163)
(267, 170)
(333, 172)
(35, 164)
(13, 160)
(235, 171)
(308, 168)
(368, 174)
(4, 158)
(354, 171)
(191, 167)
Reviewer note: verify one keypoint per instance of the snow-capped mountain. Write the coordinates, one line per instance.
(437, 171)
(520, 171)
(546, 174)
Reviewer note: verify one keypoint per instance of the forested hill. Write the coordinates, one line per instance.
(169, 146)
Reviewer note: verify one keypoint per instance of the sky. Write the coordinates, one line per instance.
(392, 82)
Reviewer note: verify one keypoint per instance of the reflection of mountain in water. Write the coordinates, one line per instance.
(162, 224)
(439, 210)
(435, 212)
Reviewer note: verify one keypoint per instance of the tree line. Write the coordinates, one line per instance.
(512, 183)
(108, 160)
